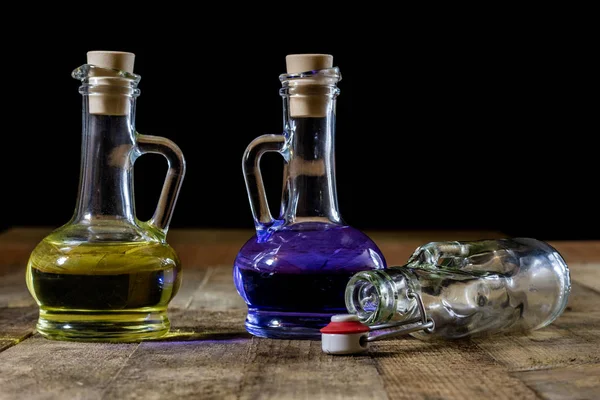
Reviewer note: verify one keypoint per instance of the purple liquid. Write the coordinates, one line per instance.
(294, 280)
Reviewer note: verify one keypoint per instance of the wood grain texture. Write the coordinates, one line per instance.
(192, 279)
(208, 306)
(587, 275)
(204, 324)
(414, 369)
(18, 311)
(17, 323)
(582, 315)
(580, 251)
(292, 369)
(181, 370)
(573, 339)
(5, 344)
(40, 369)
(208, 354)
(572, 383)
(244, 369)
(209, 321)
(582, 299)
(218, 292)
(550, 347)
(13, 290)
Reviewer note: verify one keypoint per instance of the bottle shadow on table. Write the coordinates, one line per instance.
(189, 335)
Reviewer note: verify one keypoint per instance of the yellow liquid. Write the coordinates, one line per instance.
(103, 291)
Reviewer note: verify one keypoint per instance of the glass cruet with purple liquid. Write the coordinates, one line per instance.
(294, 271)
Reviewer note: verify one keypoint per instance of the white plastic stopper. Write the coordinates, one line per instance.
(345, 334)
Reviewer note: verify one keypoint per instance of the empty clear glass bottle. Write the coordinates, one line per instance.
(105, 275)
(293, 272)
(467, 288)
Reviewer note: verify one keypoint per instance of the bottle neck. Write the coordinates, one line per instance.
(380, 296)
(310, 193)
(107, 154)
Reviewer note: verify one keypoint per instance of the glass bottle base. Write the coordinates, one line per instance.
(102, 326)
(286, 325)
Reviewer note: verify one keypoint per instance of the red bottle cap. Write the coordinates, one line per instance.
(345, 324)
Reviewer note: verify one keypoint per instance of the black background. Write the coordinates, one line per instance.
(441, 123)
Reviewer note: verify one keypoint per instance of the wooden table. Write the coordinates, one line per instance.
(210, 355)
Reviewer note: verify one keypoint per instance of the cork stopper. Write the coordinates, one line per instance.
(110, 103)
(296, 63)
(312, 106)
(112, 59)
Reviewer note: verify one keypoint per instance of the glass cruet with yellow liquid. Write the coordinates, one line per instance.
(105, 275)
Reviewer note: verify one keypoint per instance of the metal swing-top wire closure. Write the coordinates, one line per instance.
(347, 335)
(422, 323)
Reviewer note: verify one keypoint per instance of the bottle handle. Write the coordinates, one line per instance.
(263, 220)
(173, 180)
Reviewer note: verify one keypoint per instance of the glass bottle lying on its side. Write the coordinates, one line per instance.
(452, 290)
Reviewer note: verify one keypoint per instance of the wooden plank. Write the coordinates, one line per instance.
(578, 251)
(206, 325)
(415, 369)
(208, 288)
(581, 382)
(570, 340)
(13, 290)
(213, 334)
(24, 235)
(39, 368)
(209, 354)
(586, 274)
(205, 254)
(292, 369)
(582, 315)
(202, 357)
(551, 347)
(582, 299)
(16, 245)
(16, 324)
(200, 237)
(585, 326)
(246, 369)
(218, 295)
(208, 307)
(5, 344)
(192, 278)
(196, 370)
